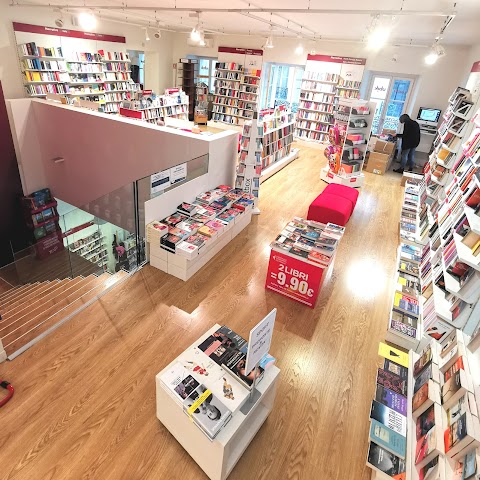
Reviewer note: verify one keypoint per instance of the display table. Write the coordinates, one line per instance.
(216, 458)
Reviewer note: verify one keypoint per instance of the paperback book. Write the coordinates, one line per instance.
(425, 422)
(389, 417)
(388, 439)
(391, 399)
(425, 445)
(392, 382)
(386, 462)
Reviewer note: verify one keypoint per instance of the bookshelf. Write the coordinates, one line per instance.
(201, 107)
(236, 93)
(348, 138)
(187, 71)
(92, 248)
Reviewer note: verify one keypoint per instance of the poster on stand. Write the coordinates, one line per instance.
(293, 278)
(159, 181)
(178, 173)
(473, 82)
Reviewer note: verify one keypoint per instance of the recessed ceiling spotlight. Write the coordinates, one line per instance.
(158, 32)
(147, 36)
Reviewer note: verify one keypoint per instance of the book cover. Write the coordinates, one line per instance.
(386, 462)
(393, 354)
(388, 439)
(427, 471)
(452, 386)
(425, 445)
(424, 377)
(420, 397)
(403, 329)
(425, 358)
(455, 433)
(299, 252)
(458, 365)
(389, 417)
(391, 399)
(228, 349)
(206, 410)
(457, 410)
(425, 422)
(395, 368)
(391, 381)
(469, 465)
(187, 208)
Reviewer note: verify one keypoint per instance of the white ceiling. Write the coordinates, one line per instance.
(416, 29)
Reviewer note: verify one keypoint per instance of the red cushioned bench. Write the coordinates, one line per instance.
(335, 204)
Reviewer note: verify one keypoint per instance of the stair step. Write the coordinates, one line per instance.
(57, 296)
(15, 292)
(27, 296)
(25, 334)
(39, 297)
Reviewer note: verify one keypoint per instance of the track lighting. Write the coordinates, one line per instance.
(269, 42)
(147, 36)
(202, 42)
(435, 53)
(59, 20)
(158, 32)
(196, 33)
(87, 20)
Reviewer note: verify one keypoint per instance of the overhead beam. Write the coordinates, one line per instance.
(320, 11)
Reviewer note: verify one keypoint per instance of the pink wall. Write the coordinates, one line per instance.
(102, 153)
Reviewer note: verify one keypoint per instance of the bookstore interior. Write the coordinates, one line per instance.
(218, 260)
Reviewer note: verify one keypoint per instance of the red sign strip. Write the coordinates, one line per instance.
(475, 67)
(240, 51)
(63, 32)
(334, 59)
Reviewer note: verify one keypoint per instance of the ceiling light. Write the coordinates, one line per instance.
(158, 32)
(195, 34)
(202, 41)
(87, 20)
(147, 36)
(59, 20)
(378, 38)
(435, 53)
(269, 42)
(299, 49)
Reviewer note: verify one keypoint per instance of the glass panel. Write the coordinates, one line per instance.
(377, 115)
(396, 106)
(380, 88)
(204, 67)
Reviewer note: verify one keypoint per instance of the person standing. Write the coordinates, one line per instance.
(410, 141)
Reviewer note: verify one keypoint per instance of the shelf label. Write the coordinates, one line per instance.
(293, 278)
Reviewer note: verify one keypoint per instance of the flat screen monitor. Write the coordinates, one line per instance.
(428, 114)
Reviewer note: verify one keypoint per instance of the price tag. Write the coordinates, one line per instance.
(294, 278)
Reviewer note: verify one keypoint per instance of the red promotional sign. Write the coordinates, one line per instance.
(241, 51)
(475, 67)
(63, 32)
(294, 278)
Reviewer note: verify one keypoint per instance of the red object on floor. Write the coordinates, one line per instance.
(343, 191)
(328, 208)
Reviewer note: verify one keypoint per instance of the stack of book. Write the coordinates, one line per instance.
(388, 449)
(313, 242)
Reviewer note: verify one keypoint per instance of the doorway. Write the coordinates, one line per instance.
(391, 95)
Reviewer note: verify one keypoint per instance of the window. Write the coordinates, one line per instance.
(206, 70)
(281, 85)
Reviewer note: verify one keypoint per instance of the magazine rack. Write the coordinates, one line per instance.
(216, 458)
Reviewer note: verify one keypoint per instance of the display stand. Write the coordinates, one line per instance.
(216, 458)
(187, 71)
(348, 143)
(201, 113)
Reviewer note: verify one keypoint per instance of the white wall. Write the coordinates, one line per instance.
(435, 83)
(159, 73)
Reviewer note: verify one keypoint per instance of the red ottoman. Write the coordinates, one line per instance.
(343, 191)
(330, 208)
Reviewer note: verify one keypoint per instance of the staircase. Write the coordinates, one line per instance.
(29, 312)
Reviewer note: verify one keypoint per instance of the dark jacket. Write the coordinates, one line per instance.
(411, 134)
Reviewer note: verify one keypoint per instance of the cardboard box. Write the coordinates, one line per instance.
(384, 147)
(378, 163)
(389, 131)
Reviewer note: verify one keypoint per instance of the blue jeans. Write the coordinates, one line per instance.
(408, 156)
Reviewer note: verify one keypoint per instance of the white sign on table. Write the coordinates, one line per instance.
(160, 181)
(178, 173)
(260, 340)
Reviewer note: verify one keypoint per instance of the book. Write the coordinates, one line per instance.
(391, 399)
(228, 349)
(425, 359)
(455, 433)
(187, 209)
(458, 365)
(425, 422)
(451, 387)
(420, 397)
(388, 439)
(395, 368)
(425, 445)
(469, 465)
(457, 410)
(425, 375)
(389, 417)
(426, 472)
(404, 318)
(186, 250)
(392, 382)
(386, 462)
(207, 411)
(393, 354)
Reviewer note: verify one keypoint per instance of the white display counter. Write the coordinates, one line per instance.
(216, 458)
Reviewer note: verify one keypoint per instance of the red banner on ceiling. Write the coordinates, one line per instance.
(240, 51)
(335, 59)
(63, 32)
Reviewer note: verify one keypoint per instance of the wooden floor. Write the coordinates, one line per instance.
(84, 406)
